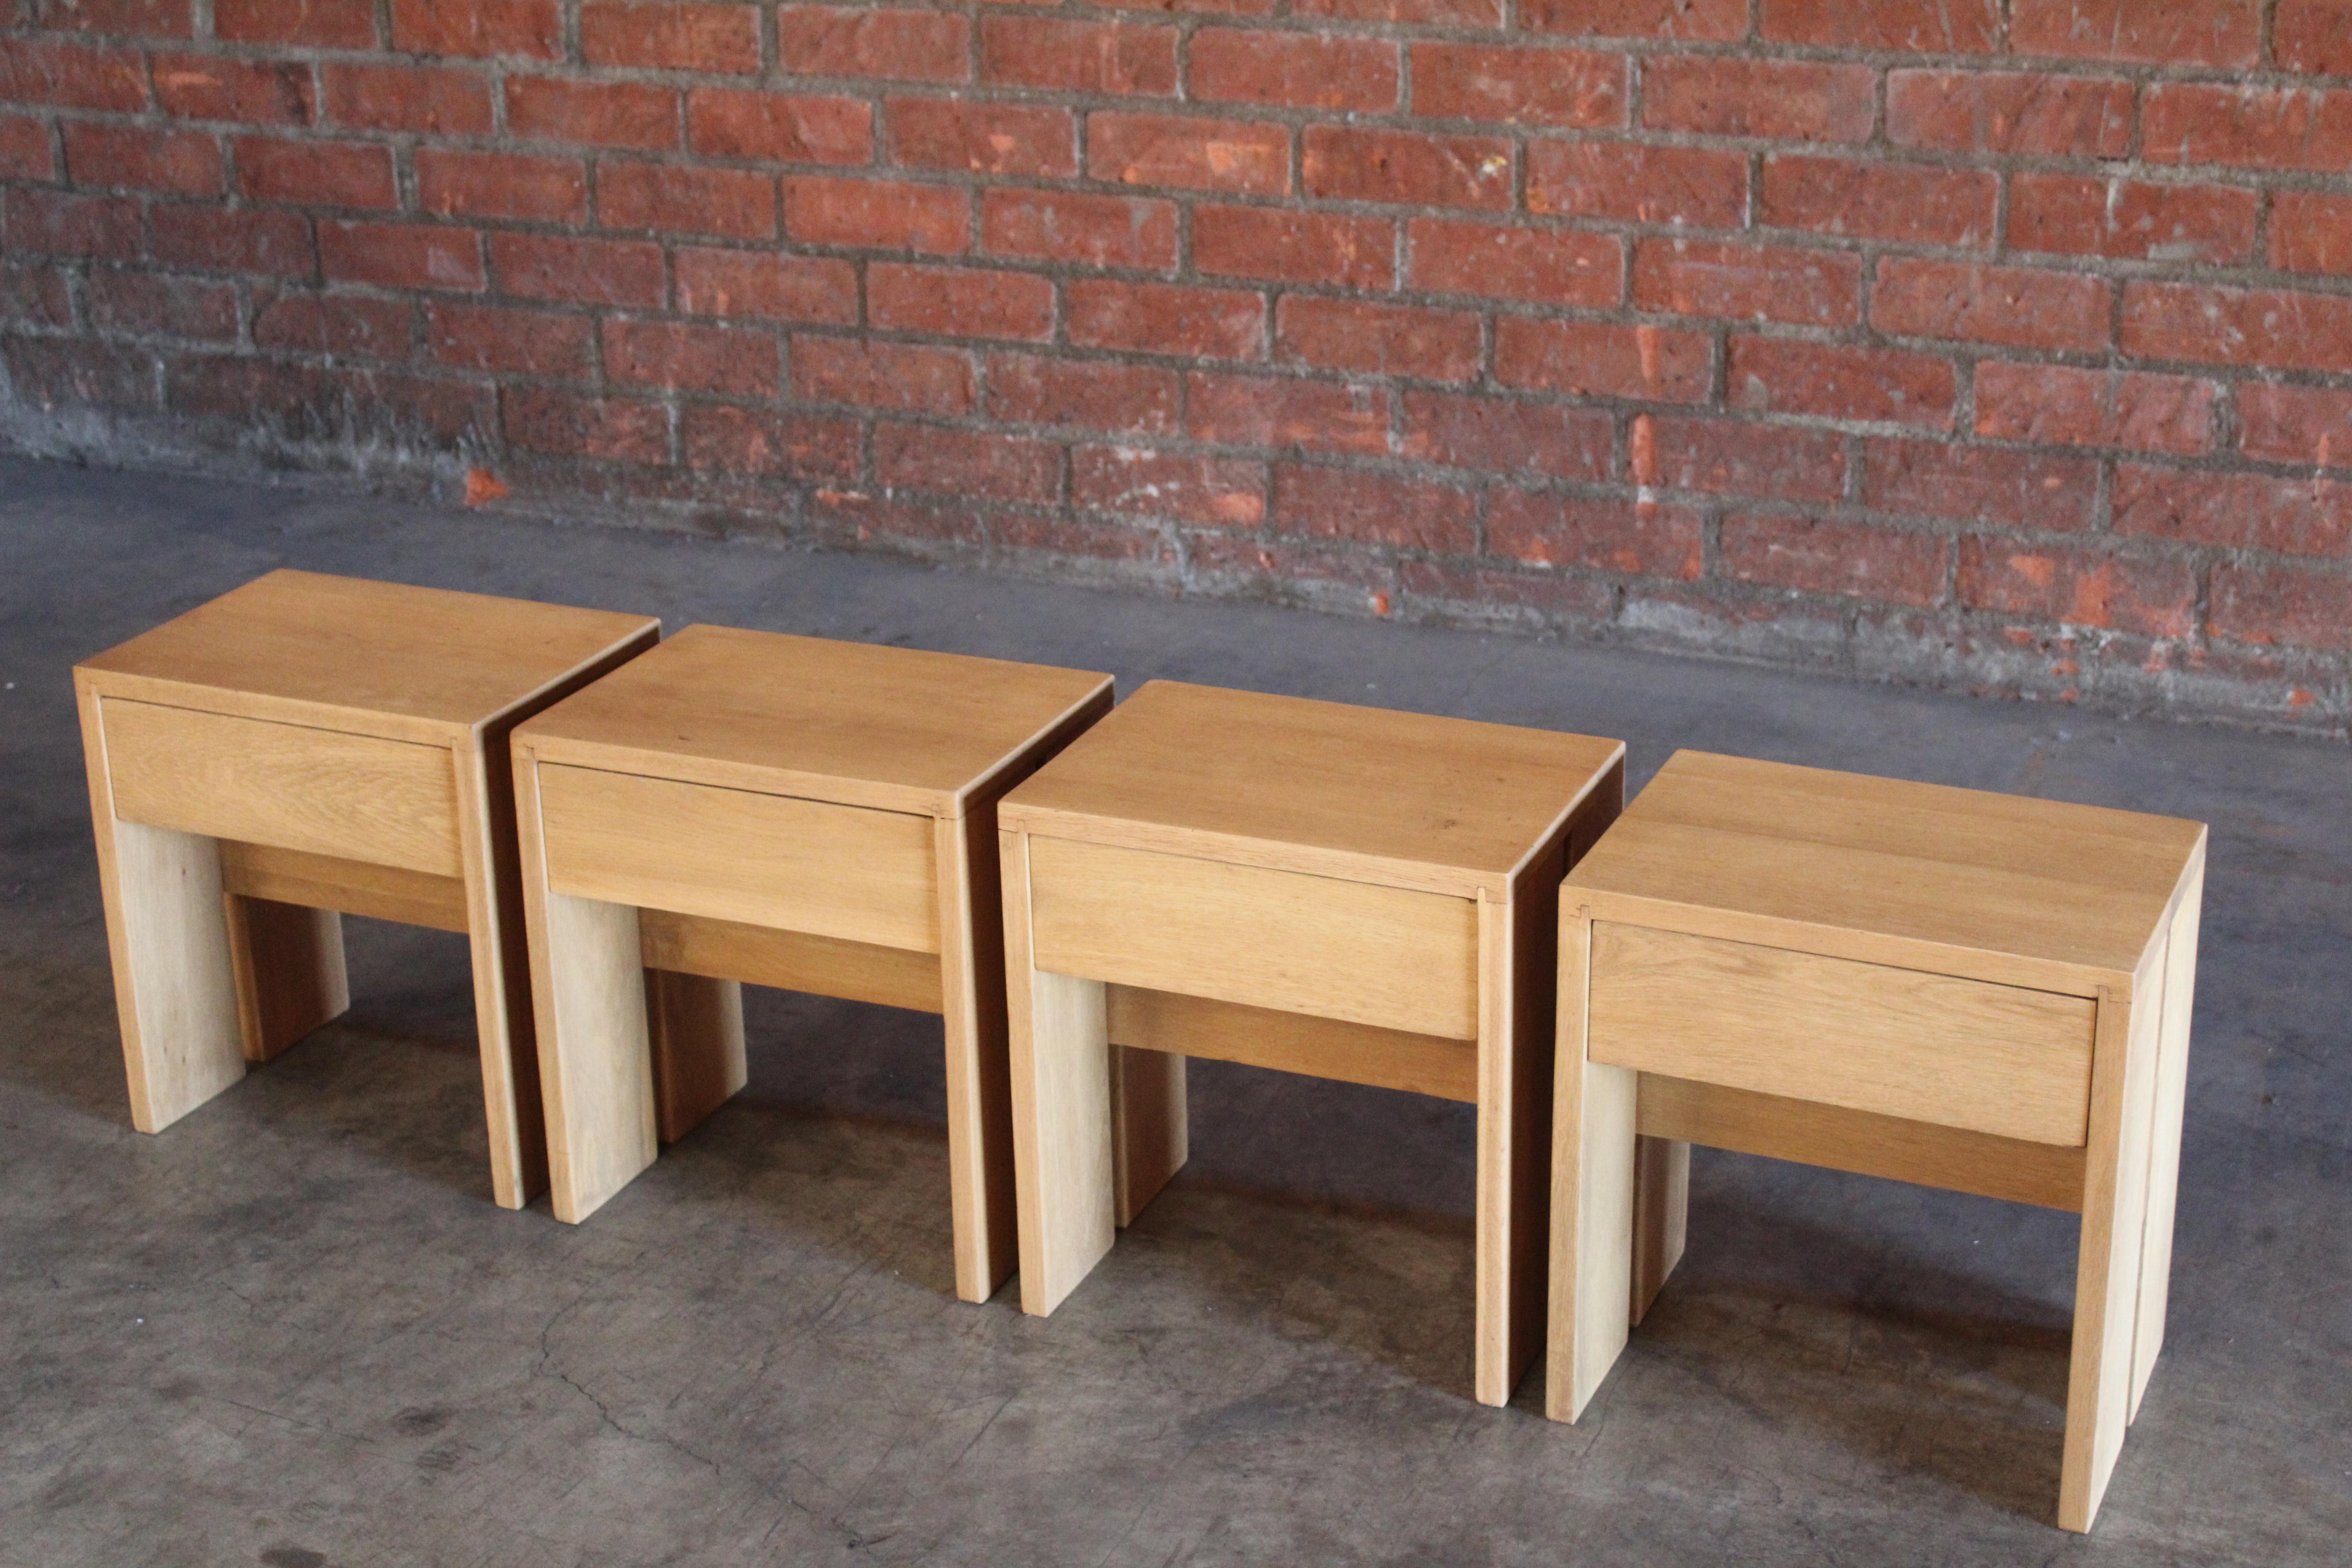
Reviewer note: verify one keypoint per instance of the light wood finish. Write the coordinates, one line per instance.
(348, 887)
(357, 797)
(1295, 1042)
(1977, 991)
(822, 817)
(2012, 1169)
(1366, 954)
(1062, 1111)
(889, 728)
(734, 855)
(1661, 1214)
(1926, 1048)
(1337, 890)
(789, 960)
(1593, 1203)
(1150, 1134)
(287, 960)
(695, 1030)
(328, 744)
(1399, 800)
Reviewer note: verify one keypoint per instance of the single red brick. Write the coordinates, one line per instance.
(896, 377)
(1292, 70)
(1814, 555)
(958, 302)
(1515, 85)
(2295, 424)
(669, 34)
(1747, 282)
(1117, 59)
(1934, 26)
(2158, 32)
(1295, 247)
(430, 101)
(2060, 405)
(1506, 436)
(69, 75)
(1840, 381)
(242, 239)
(1219, 493)
(1167, 319)
(1189, 153)
(880, 215)
(764, 285)
(45, 373)
(983, 138)
(1060, 534)
(1914, 204)
(1645, 540)
(600, 113)
(142, 157)
(592, 271)
(51, 223)
(2247, 127)
(2134, 218)
(1599, 359)
(402, 256)
(2269, 605)
(155, 304)
(1374, 508)
(2311, 231)
(967, 462)
(779, 128)
(1629, 181)
(1550, 266)
(1069, 225)
(454, 183)
(1350, 163)
(757, 441)
(315, 173)
(1727, 457)
(2041, 492)
(734, 204)
(478, 27)
(2303, 515)
(2277, 328)
(304, 23)
(248, 390)
(726, 359)
(1031, 389)
(250, 92)
(497, 338)
(1262, 411)
(25, 151)
(862, 41)
(2155, 598)
(2010, 111)
(1922, 299)
(1788, 100)
(1377, 339)
(2313, 37)
(1687, 21)
(151, 18)
(605, 429)
(349, 326)
(35, 294)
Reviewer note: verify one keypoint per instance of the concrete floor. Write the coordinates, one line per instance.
(293, 1330)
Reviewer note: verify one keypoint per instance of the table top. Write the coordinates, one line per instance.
(1404, 800)
(346, 653)
(1995, 887)
(893, 729)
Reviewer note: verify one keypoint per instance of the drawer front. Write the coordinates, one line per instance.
(758, 859)
(356, 797)
(1899, 1042)
(1367, 954)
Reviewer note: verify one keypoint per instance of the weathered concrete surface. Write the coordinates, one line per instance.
(293, 1329)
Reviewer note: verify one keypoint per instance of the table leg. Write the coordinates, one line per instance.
(1517, 991)
(289, 963)
(695, 1030)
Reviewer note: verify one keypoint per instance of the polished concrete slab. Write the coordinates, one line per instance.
(292, 1330)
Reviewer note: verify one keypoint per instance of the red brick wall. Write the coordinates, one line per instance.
(2002, 344)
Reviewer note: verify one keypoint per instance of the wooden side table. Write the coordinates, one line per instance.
(1332, 890)
(1978, 992)
(303, 748)
(812, 814)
